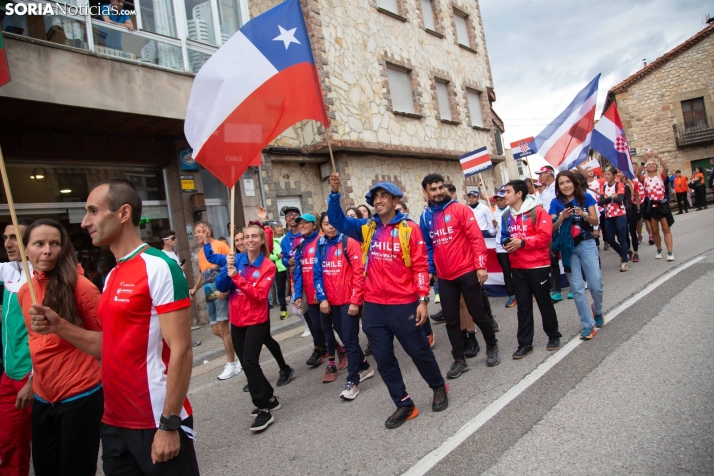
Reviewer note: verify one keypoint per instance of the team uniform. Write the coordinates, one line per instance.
(502, 254)
(143, 285)
(616, 218)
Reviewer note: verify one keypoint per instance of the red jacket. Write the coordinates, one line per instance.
(249, 288)
(536, 253)
(303, 277)
(454, 242)
(339, 277)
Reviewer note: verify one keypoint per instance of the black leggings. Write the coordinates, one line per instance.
(248, 342)
(274, 348)
(700, 196)
(505, 263)
(281, 280)
(633, 218)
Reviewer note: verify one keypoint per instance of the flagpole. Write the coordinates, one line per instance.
(13, 215)
(329, 147)
(233, 219)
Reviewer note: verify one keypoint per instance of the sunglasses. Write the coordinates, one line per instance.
(170, 238)
(292, 215)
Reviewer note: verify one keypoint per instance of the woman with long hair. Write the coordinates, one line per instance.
(700, 190)
(575, 212)
(66, 379)
(632, 207)
(612, 199)
(656, 206)
(248, 277)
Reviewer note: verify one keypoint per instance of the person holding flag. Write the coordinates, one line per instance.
(396, 293)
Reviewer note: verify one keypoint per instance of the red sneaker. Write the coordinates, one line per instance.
(330, 374)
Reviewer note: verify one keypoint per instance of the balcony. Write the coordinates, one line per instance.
(694, 133)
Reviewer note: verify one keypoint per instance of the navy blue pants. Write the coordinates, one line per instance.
(331, 321)
(313, 321)
(383, 322)
(347, 328)
(617, 236)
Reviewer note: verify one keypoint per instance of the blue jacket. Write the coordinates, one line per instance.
(213, 258)
(298, 271)
(427, 218)
(352, 227)
(286, 245)
(563, 242)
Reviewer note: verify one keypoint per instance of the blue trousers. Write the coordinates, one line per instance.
(331, 321)
(586, 260)
(313, 321)
(347, 328)
(382, 323)
(617, 236)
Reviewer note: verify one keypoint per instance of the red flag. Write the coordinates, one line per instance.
(4, 68)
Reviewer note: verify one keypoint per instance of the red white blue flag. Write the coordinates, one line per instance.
(564, 143)
(609, 139)
(262, 81)
(475, 162)
(522, 149)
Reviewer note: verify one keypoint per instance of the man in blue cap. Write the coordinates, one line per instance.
(396, 292)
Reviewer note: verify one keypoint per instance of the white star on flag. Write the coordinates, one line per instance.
(286, 36)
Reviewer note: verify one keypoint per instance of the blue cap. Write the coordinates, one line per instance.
(388, 187)
(306, 217)
(501, 192)
(473, 192)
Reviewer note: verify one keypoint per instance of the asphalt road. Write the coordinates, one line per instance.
(637, 399)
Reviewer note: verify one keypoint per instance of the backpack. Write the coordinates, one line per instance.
(405, 233)
(321, 249)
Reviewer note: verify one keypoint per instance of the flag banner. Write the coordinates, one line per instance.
(564, 143)
(593, 165)
(4, 68)
(522, 149)
(259, 83)
(475, 162)
(610, 141)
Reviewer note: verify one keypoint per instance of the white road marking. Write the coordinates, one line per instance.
(431, 459)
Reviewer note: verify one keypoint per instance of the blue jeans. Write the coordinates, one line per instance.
(217, 310)
(586, 260)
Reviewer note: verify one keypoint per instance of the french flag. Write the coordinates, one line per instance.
(564, 143)
(262, 81)
(609, 140)
(475, 162)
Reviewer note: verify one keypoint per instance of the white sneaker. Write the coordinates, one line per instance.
(658, 255)
(670, 257)
(306, 333)
(365, 374)
(231, 369)
(437, 299)
(350, 392)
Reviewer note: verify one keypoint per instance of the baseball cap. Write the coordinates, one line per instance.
(472, 192)
(501, 192)
(546, 169)
(291, 209)
(388, 187)
(306, 217)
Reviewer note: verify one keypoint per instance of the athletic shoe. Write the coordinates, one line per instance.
(262, 421)
(639, 240)
(315, 358)
(555, 296)
(629, 255)
(599, 320)
(230, 370)
(511, 301)
(350, 392)
(588, 333)
(607, 246)
(635, 258)
(430, 338)
(659, 254)
(492, 357)
(283, 315)
(196, 343)
(650, 241)
(553, 343)
(246, 389)
(285, 376)
(368, 350)
(330, 374)
(441, 398)
(457, 368)
(472, 348)
(522, 351)
(273, 404)
(437, 299)
(438, 317)
(670, 256)
(495, 325)
(306, 333)
(342, 364)
(400, 415)
(365, 374)
(570, 295)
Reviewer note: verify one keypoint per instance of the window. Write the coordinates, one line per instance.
(427, 11)
(504, 174)
(229, 17)
(462, 28)
(158, 16)
(389, 5)
(693, 113)
(499, 141)
(522, 169)
(442, 95)
(474, 101)
(199, 21)
(400, 89)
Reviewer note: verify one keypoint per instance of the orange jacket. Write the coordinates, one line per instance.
(680, 184)
(61, 370)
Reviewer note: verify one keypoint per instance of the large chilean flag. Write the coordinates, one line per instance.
(262, 81)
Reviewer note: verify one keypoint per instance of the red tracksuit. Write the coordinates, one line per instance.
(249, 288)
(536, 253)
(336, 279)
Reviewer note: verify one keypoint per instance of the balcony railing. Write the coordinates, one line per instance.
(694, 133)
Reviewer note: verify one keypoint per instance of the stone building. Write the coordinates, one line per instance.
(668, 105)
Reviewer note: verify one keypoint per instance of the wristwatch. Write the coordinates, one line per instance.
(169, 423)
(424, 299)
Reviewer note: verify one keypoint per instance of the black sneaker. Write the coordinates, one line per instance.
(492, 358)
(262, 421)
(553, 343)
(273, 404)
(438, 317)
(316, 358)
(472, 348)
(495, 325)
(441, 399)
(400, 415)
(457, 368)
(285, 376)
(368, 350)
(522, 351)
(246, 389)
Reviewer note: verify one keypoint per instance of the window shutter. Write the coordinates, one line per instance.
(390, 5)
(427, 11)
(462, 29)
(400, 89)
(442, 95)
(474, 100)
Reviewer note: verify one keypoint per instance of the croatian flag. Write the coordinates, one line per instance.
(521, 148)
(564, 142)
(475, 162)
(262, 81)
(609, 139)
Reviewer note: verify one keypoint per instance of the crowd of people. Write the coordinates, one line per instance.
(370, 268)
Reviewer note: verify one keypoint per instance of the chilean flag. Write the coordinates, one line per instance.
(262, 81)
(475, 162)
(609, 139)
(564, 143)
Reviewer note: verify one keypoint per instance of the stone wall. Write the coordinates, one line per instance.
(651, 106)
